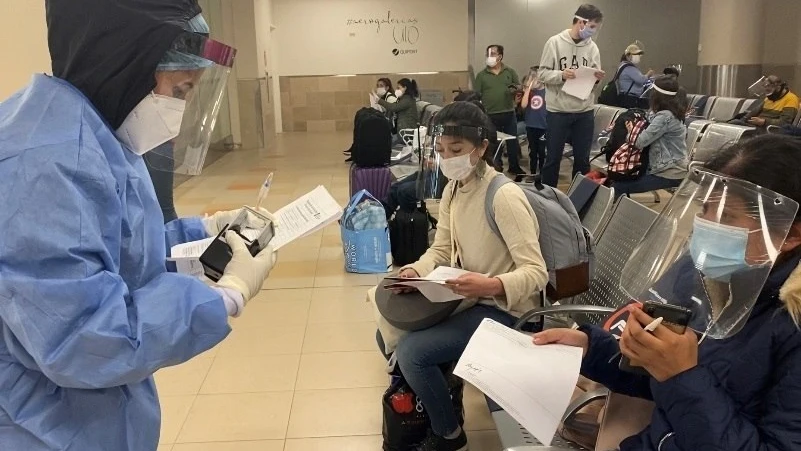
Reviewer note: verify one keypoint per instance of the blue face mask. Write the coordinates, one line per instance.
(718, 250)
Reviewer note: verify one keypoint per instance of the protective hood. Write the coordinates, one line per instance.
(110, 49)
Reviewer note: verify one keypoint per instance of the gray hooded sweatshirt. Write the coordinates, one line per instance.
(561, 53)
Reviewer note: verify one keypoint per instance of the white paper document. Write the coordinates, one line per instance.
(433, 286)
(532, 383)
(308, 214)
(583, 84)
(304, 216)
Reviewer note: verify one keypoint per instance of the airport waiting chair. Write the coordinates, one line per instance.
(725, 108)
(718, 135)
(625, 229)
(594, 215)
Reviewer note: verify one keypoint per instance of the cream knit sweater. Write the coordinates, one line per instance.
(516, 260)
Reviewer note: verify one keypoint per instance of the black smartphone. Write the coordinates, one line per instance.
(673, 317)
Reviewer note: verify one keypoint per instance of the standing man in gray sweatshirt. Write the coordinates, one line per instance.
(568, 116)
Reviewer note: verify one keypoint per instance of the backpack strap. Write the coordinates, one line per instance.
(489, 201)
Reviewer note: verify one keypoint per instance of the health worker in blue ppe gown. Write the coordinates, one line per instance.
(88, 310)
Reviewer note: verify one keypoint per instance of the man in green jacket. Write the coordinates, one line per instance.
(497, 84)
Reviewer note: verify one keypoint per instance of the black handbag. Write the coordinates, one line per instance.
(405, 420)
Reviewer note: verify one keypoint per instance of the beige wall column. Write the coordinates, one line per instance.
(23, 44)
(731, 45)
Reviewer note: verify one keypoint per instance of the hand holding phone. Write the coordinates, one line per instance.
(655, 347)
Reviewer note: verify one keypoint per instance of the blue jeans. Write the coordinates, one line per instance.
(579, 128)
(507, 123)
(421, 353)
(644, 184)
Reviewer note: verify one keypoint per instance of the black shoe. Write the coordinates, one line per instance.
(436, 443)
(517, 171)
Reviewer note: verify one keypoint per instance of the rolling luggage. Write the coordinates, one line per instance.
(375, 180)
(372, 134)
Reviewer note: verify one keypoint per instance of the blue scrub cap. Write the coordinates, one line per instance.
(176, 61)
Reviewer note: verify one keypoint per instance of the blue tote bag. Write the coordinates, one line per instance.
(365, 236)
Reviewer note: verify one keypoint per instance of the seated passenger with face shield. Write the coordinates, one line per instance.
(88, 310)
(727, 249)
(514, 264)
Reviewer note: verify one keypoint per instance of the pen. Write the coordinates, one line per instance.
(264, 191)
(649, 328)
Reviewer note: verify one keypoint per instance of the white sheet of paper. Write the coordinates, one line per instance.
(433, 286)
(193, 249)
(532, 383)
(306, 215)
(582, 85)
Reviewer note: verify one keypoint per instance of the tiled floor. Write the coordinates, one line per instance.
(300, 371)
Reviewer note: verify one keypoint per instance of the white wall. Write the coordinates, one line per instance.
(23, 44)
(339, 37)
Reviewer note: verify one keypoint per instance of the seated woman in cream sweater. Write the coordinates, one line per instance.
(514, 264)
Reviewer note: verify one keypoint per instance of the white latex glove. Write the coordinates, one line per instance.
(216, 222)
(246, 273)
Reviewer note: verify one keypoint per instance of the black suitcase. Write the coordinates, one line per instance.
(372, 139)
(408, 235)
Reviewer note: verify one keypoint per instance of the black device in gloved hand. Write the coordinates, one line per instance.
(219, 253)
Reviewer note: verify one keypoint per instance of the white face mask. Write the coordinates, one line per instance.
(156, 120)
(382, 91)
(457, 168)
(398, 93)
(492, 61)
(636, 59)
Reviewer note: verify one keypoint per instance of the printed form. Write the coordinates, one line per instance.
(532, 383)
(306, 215)
(581, 86)
(433, 285)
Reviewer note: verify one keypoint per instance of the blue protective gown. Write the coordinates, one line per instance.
(88, 311)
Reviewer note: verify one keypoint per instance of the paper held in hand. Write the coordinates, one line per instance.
(532, 383)
(306, 215)
(581, 86)
(433, 285)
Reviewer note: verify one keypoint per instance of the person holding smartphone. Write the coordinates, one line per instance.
(730, 380)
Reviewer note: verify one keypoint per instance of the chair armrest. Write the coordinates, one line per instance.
(561, 309)
(583, 400)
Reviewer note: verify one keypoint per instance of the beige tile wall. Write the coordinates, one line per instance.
(327, 104)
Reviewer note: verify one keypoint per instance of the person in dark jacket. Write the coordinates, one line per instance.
(405, 109)
(738, 393)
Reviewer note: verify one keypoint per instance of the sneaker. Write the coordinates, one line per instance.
(436, 443)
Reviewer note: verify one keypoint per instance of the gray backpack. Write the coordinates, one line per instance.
(566, 245)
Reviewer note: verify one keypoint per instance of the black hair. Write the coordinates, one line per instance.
(497, 47)
(624, 57)
(672, 71)
(386, 81)
(471, 114)
(468, 96)
(589, 12)
(672, 103)
(770, 161)
(411, 87)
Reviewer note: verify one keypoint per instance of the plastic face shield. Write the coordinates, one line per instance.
(760, 88)
(431, 182)
(202, 85)
(711, 250)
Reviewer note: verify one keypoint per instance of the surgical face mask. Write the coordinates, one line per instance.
(718, 250)
(156, 120)
(398, 93)
(381, 91)
(457, 168)
(636, 59)
(492, 61)
(586, 32)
